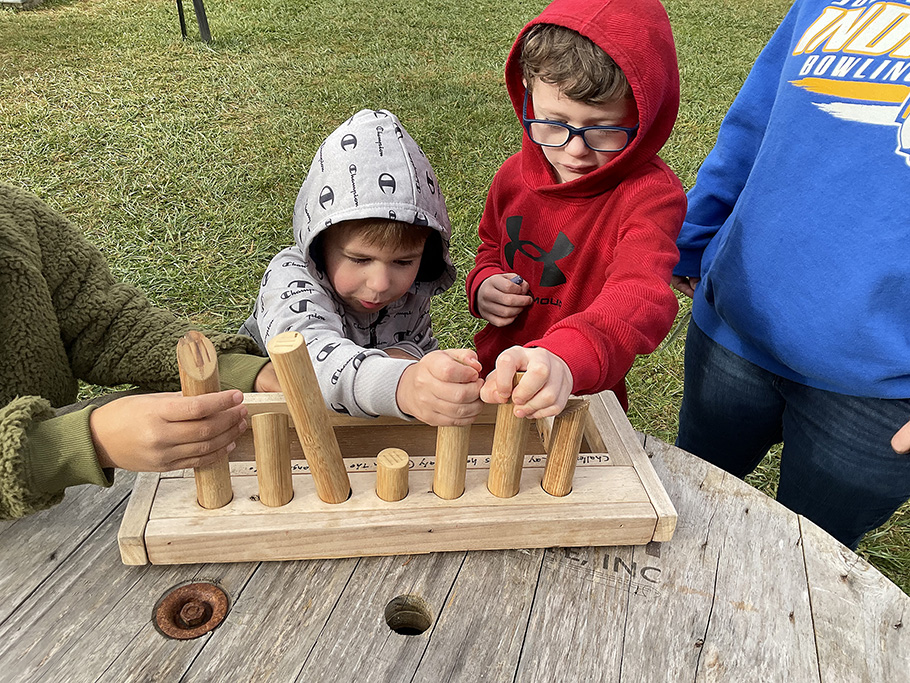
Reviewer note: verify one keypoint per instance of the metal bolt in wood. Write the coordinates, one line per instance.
(197, 361)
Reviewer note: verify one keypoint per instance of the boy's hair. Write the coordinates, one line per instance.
(580, 69)
(388, 233)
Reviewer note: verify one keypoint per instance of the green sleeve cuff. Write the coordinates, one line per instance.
(61, 454)
(238, 370)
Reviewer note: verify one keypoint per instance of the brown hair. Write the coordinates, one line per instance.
(573, 63)
(389, 233)
(384, 232)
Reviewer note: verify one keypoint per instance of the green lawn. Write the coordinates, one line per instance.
(182, 160)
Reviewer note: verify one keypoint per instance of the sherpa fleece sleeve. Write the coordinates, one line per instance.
(726, 169)
(41, 455)
(354, 380)
(111, 333)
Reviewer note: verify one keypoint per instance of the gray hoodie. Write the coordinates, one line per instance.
(369, 167)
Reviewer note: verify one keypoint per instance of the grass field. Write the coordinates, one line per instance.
(182, 160)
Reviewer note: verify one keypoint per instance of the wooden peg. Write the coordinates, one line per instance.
(273, 458)
(307, 407)
(392, 474)
(197, 362)
(562, 448)
(507, 457)
(451, 461)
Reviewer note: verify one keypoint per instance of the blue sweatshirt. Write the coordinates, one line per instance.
(798, 224)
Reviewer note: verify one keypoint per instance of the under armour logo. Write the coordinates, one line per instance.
(562, 247)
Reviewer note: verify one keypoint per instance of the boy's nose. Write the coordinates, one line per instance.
(379, 280)
(576, 146)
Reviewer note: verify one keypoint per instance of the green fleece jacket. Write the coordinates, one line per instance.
(63, 318)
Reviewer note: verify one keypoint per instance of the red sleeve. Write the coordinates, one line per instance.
(635, 308)
(488, 259)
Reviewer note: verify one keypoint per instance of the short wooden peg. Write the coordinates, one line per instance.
(197, 361)
(273, 458)
(392, 474)
(307, 407)
(510, 436)
(451, 461)
(563, 447)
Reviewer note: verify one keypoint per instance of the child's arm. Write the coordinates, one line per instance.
(42, 454)
(542, 392)
(355, 379)
(726, 169)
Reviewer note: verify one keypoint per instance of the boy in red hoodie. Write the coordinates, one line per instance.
(578, 234)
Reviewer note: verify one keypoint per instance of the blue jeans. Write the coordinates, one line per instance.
(837, 466)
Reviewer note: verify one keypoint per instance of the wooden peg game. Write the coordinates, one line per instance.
(582, 479)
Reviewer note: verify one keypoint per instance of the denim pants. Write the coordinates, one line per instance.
(837, 466)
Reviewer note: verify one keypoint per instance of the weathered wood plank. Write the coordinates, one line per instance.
(733, 599)
(32, 548)
(274, 622)
(357, 644)
(87, 611)
(577, 622)
(862, 620)
(480, 633)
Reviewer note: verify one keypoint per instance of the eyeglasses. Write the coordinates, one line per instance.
(597, 138)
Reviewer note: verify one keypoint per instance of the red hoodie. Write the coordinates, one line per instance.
(597, 252)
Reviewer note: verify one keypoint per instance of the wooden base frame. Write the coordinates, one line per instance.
(616, 499)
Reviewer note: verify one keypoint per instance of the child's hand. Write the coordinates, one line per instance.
(900, 442)
(267, 379)
(686, 285)
(163, 432)
(442, 388)
(500, 298)
(542, 392)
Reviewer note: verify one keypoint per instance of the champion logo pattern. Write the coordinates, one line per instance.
(856, 56)
(365, 168)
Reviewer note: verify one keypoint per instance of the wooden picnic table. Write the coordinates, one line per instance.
(745, 591)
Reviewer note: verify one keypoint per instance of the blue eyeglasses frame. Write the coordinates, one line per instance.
(631, 133)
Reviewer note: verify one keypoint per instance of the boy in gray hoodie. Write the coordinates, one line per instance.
(372, 246)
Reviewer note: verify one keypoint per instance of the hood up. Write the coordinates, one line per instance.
(369, 167)
(637, 35)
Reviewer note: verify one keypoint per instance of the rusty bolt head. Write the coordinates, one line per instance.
(190, 610)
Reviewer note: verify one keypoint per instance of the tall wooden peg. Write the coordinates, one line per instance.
(273, 458)
(451, 461)
(307, 407)
(197, 361)
(392, 474)
(563, 447)
(509, 439)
